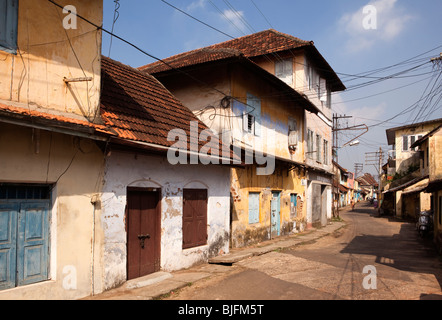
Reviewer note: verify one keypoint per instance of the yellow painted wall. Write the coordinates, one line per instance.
(244, 181)
(435, 159)
(34, 76)
(33, 79)
(75, 167)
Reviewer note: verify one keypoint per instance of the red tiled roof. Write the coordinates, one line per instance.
(139, 108)
(50, 119)
(193, 57)
(257, 44)
(367, 179)
(251, 46)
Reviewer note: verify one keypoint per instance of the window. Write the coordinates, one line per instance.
(318, 148)
(309, 77)
(328, 103)
(404, 143)
(310, 150)
(253, 207)
(325, 152)
(252, 118)
(407, 141)
(322, 92)
(293, 205)
(284, 71)
(293, 133)
(440, 210)
(8, 25)
(428, 156)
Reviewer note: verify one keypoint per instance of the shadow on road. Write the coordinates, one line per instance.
(404, 251)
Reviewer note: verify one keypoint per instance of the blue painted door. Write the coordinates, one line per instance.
(32, 244)
(8, 244)
(24, 243)
(275, 214)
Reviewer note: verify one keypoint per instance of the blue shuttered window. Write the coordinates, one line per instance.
(253, 207)
(8, 25)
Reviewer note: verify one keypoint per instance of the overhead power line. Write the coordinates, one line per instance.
(198, 20)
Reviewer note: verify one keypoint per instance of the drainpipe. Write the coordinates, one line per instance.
(94, 201)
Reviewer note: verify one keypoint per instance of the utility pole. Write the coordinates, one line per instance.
(359, 167)
(437, 59)
(376, 159)
(335, 187)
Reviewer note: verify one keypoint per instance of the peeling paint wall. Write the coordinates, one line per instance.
(130, 170)
(245, 181)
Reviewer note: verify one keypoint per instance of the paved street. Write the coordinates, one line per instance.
(332, 268)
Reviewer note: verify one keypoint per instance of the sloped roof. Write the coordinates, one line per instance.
(137, 107)
(391, 132)
(252, 46)
(367, 179)
(50, 119)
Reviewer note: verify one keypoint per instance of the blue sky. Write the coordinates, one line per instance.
(404, 29)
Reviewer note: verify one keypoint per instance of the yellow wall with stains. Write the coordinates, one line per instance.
(47, 53)
(245, 181)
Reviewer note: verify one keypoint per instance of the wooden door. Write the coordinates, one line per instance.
(24, 242)
(143, 232)
(275, 206)
(194, 218)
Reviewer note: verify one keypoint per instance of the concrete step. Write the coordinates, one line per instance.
(147, 280)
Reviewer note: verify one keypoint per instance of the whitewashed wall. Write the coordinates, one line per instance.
(128, 170)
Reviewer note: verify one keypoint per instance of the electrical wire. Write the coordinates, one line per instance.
(198, 20)
(116, 16)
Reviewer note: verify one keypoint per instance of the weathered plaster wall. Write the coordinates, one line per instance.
(435, 159)
(34, 76)
(130, 170)
(74, 220)
(402, 157)
(245, 181)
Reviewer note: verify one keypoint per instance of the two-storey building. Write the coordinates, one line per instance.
(254, 91)
(404, 168)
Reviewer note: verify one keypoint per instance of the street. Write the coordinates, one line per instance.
(372, 258)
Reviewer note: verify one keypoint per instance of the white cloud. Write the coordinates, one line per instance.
(390, 21)
(199, 4)
(236, 18)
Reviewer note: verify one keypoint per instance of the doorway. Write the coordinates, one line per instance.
(276, 214)
(143, 231)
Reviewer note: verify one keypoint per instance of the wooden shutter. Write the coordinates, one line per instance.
(404, 143)
(253, 207)
(254, 108)
(8, 244)
(194, 218)
(8, 25)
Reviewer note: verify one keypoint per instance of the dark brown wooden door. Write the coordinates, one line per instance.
(143, 232)
(194, 218)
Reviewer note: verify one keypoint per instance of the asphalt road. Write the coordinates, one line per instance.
(372, 258)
